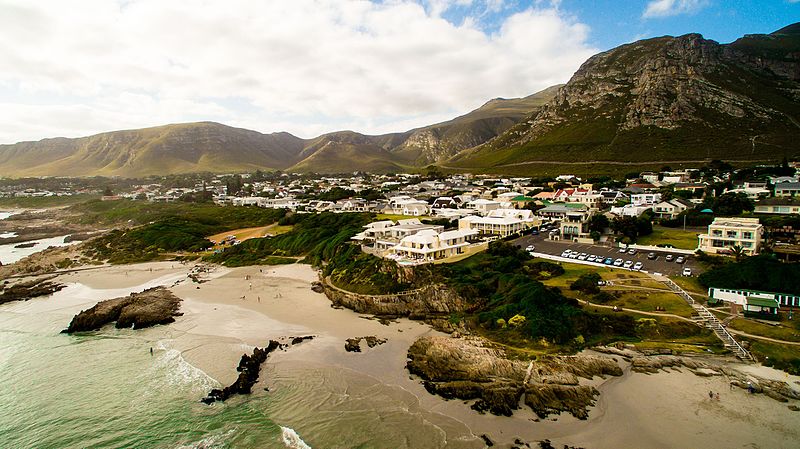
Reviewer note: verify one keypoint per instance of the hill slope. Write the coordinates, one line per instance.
(188, 147)
(208, 146)
(660, 100)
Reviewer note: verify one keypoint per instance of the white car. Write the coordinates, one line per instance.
(573, 255)
(582, 256)
(637, 266)
(628, 264)
(591, 258)
(618, 263)
(530, 248)
(566, 253)
(623, 250)
(687, 271)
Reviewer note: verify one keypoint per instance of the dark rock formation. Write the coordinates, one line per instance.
(138, 310)
(27, 290)
(469, 369)
(26, 245)
(249, 369)
(354, 344)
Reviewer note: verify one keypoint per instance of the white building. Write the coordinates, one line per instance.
(725, 233)
(671, 208)
(645, 199)
(429, 245)
(483, 206)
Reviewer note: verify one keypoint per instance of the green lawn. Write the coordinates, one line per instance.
(648, 301)
(676, 237)
(783, 357)
(786, 330)
(691, 285)
(45, 201)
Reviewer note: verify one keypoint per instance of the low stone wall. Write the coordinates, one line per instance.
(421, 303)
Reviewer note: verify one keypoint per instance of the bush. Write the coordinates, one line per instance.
(587, 283)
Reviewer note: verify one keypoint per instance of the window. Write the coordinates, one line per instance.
(747, 235)
(731, 234)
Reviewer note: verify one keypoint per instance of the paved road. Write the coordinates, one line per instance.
(659, 265)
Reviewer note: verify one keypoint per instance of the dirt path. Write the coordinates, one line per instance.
(244, 233)
(759, 337)
(661, 314)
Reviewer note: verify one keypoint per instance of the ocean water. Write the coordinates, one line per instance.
(10, 254)
(104, 389)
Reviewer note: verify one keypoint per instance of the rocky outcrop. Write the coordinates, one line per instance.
(249, 370)
(429, 302)
(137, 310)
(24, 291)
(469, 368)
(354, 344)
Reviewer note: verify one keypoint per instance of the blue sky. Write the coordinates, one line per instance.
(615, 22)
(315, 66)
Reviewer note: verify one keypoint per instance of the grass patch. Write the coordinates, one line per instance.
(691, 285)
(676, 237)
(47, 201)
(786, 330)
(647, 301)
(778, 356)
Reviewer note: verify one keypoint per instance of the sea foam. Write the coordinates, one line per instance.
(292, 440)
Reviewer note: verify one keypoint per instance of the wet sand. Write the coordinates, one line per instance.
(224, 319)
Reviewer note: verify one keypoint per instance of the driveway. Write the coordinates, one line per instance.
(658, 265)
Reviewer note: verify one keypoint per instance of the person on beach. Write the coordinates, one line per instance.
(151, 350)
(716, 396)
(711, 394)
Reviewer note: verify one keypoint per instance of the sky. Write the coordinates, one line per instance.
(70, 68)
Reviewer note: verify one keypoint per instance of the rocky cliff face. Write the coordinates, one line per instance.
(470, 368)
(666, 98)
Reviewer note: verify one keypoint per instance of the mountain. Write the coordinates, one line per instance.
(208, 146)
(662, 100)
(183, 148)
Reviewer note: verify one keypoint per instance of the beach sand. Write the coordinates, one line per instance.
(236, 309)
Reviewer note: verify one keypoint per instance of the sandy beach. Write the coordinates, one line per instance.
(232, 310)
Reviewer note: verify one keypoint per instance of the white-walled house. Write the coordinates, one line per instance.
(672, 208)
(483, 206)
(726, 232)
(429, 245)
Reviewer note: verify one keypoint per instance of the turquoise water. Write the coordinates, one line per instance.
(105, 390)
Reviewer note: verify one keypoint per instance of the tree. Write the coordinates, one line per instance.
(598, 223)
(738, 252)
(732, 204)
(107, 191)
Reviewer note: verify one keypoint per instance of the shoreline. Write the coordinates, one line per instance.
(218, 326)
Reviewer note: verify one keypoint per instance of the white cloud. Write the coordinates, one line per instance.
(667, 8)
(303, 66)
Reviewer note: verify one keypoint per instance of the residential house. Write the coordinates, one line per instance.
(778, 205)
(672, 208)
(575, 226)
(726, 232)
(645, 199)
(557, 211)
(483, 206)
(429, 245)
(787, 189)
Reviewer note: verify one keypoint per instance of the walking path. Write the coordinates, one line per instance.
(708, 319)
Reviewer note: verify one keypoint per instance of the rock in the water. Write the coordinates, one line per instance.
(138, 310)
(249, 369)
(354, 344)
(24, 291)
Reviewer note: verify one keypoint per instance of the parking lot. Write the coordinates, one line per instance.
(658, 265)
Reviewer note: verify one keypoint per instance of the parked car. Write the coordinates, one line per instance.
(622, 250)
(652, 256)
(582, 256)
(628, 264)
(687, 271)
(669, 258)
(573, 255)
(618, 263)
(591, 258)
(530, 248)
(680, 259)
(637, 266)
(566, 253)
(608, 261)
(535, 232)
(632, 251)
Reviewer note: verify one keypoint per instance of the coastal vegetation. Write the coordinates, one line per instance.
(755, 273)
